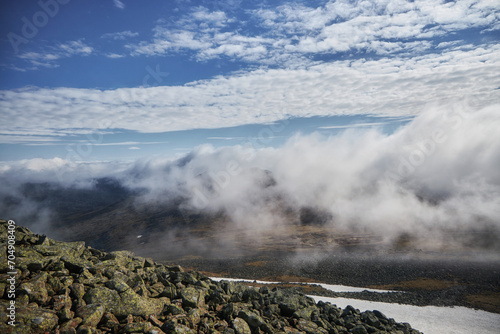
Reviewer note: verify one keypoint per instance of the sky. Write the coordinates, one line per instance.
(124, 80)
(382, 116)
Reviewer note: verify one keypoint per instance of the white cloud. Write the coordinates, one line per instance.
(122, 35)
(126, 143)
(438, 173)
(392, 86)
(291, 33)
(119, 4)
(425, 177)
(115, 55)
(49, 57)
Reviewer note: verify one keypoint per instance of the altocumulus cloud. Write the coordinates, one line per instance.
(389, 86)
(291, 33)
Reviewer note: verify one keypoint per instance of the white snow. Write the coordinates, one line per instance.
(344, 288)
(336, 288)
(427, 319)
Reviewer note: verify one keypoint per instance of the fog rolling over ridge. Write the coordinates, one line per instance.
(433, 184)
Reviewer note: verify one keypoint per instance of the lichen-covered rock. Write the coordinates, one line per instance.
(69, 288)
(38, 319)
(290, 302)
(35, 289)
(74, 264)
(77, 290)
(102, 295)
(172, 327)
(65, 314)
(138, 327)
(193, 297)
(132, 303)
(252, 319)
(240, 326)
(91, 314)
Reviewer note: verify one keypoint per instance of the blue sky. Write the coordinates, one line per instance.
(120, 80)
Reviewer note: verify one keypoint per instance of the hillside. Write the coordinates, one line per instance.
(68, 287)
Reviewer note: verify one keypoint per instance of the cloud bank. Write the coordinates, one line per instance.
(435, 177)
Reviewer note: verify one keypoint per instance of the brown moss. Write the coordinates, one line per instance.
(256, 263)
(489, 301)
(422, 283)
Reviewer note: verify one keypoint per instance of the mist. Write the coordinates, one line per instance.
(434, 182)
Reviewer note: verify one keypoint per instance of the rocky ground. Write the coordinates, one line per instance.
(438, 280)
(63, 287)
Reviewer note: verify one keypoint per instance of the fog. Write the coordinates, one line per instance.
(437, 175)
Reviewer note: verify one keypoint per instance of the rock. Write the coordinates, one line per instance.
(240, 326)
(74, 264)
(252, 319)
(60, 302)
(109, 320)
(155, 330)
(125, 303)
(371, 319)
(132, 303)
(86, 330)
(289, 302)
(65, 314)
(77, 290)
(170, 291)
(39, 320)
(193, 297)
(305, 312)
(68, 288)
(102, 295)
(309, 327)
(69, 327)
(91, 314)
(175, 309)
(138, 327)
(36, 289)
(173, 327)
(359, 329)
(118, 285)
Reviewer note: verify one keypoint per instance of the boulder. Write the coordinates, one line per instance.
(240, 326)
(37, 319)
(91, 314)
(193, 297)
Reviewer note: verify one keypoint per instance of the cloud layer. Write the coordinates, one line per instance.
(293, 32)
(435, 177)
(388, 86)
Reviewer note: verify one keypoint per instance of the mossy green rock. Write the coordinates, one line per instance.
(138, 327)
(193, 297)
(125, 303)
(172, 327)
(39, 320)
(70, 289)
(240, 326)
(91, 314)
